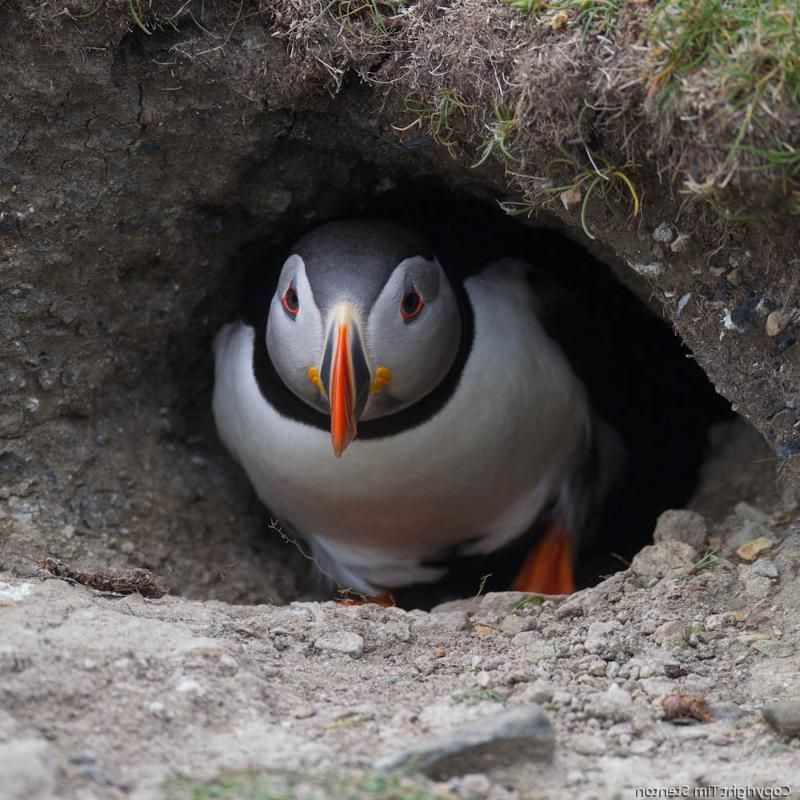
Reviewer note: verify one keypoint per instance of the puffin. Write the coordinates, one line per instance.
(398, 417)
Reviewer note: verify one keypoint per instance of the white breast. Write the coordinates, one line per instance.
(475, 475)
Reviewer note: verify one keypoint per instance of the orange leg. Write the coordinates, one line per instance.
(385, 600)
(548, 566)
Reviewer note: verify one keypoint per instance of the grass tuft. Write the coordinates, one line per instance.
(538, 599)
(275, 784)
(435, 116)
(709, 560)
(610, 181)
(472, 697)
(501, 131)
(746, 56)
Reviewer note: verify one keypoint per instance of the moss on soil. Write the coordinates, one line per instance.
(293, 785)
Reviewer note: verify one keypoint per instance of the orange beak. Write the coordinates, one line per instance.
(342, 393)
(346, 376)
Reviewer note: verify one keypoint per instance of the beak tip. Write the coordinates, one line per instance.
(340, 445)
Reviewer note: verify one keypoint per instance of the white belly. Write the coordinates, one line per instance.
(476, 474)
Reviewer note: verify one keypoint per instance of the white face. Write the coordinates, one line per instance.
(419, 348)
(413, 330)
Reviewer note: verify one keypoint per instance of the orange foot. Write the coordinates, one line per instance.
(385, 600)
(548, 566)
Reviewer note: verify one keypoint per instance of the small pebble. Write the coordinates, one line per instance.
(570, 197)
(658, 560)
(672, 634)
(751, 550)
(664, 233)
(681, 525)
(686, 705)
(765, 567)
(514, 624)
(588, 745)
(597, 668)
(346, 642)
(784, 717)
(614, 704)
(653, 269)
(683, 301)
(776, 322)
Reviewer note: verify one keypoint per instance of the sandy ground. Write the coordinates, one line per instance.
(108, 697)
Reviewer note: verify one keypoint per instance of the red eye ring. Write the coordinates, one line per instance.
(290, 300)
(411, 304)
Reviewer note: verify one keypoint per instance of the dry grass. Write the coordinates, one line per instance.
(732, 70)
(704, 94)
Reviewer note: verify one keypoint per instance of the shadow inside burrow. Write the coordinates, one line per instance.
(640, 378)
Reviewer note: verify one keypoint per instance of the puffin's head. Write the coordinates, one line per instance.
(363, 322)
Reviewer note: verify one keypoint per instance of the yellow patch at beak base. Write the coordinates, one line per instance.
(313, 376)
(383, 376)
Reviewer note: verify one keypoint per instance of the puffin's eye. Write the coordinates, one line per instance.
(411, 305)
(290, 300)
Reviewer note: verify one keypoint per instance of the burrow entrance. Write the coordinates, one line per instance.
(640, 377)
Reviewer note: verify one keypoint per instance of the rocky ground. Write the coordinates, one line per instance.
(684, 670)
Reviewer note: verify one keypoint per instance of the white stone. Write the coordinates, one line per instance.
(346, 642)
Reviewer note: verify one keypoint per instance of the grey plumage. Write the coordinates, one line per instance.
(354, 258)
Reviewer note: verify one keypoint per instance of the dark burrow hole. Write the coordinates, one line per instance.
(640, 377)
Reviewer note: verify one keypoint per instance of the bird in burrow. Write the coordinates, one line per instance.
(397, 418)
